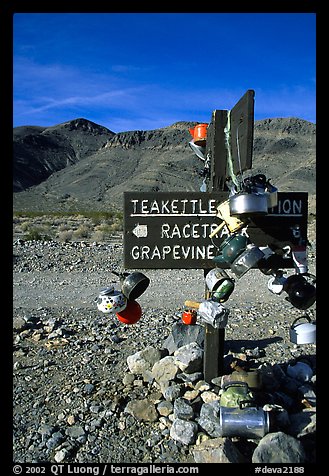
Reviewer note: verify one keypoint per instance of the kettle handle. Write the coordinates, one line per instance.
(300, 317)
(235, 383)
(214, 232)
(309, 275)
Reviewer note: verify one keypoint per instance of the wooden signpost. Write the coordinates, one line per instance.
(226, 155)
(171, 230)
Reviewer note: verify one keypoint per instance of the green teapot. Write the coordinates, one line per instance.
(231, 248)
(234, 394)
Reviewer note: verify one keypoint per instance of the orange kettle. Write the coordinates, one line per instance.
(199, 134)
(131, 314)
(189, 317)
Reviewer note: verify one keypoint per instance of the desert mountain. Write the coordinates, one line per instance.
(79, 165)
(41, 151)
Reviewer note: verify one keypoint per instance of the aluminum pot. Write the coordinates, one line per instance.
(199, 150)
(219, 284)
(247, 260)
(245, 204)
(303, 333)
(134, 285)
(248, 422)
(271, 193)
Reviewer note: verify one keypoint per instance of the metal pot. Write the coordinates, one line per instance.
(189, 317)
(245, 204)
(131, 314)
(199, 150)
(271, 195)
(276, 283)
(301, 293)
(111, 301)
(232, 247)
(219, 284)
(303, 333)
(249, 422)
(199, 133)
(134, 285)
(246, 260)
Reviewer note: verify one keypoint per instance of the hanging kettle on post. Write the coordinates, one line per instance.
(219, 284)
(301, 293)
(231, 248)
(199, 134)
(110, 301)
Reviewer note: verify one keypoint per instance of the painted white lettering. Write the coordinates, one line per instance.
(195, 233)
(174, 206)
(212, 206)
(144, 205)
(286, 206)
(184, 202)
(297, 206)
(134, 202)
(156, 253)
(154, 207)
(200, 207)
(213, 227)
(175, 252)
(165, 230)
(145, 252)
(193, 202)
(176, 232)
(210, 251)
(165, 251)
(185, 251)
(135, 252)
(200, 252)
(164, 207)
(185, 233)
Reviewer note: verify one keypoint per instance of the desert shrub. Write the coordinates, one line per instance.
(35, 234)
(83, 231)
(65, 235)
(116, 227)
(98, 236)
(25, 225)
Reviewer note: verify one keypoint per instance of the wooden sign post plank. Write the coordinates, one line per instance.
(230, 139)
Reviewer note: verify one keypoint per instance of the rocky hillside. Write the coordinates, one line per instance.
(41, 151)
(79, 165)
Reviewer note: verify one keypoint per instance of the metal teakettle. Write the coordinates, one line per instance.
(219, 284)
(303, 333)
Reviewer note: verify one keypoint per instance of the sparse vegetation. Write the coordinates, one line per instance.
(95, 226)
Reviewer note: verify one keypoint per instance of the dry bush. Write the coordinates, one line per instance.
(65, 235)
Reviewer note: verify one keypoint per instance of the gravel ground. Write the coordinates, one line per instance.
(70, 360)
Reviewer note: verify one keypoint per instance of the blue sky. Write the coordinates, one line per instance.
(129, 71)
